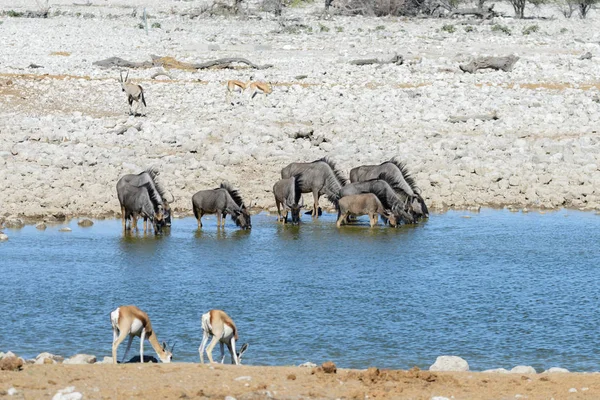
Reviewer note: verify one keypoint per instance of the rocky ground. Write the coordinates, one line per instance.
(66, 138)
(68, 381)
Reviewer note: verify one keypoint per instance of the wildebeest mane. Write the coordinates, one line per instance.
(405, 174)
(338, 174)
(235, 195)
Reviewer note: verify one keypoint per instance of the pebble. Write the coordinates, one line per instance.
(3, 237)
(449, 363)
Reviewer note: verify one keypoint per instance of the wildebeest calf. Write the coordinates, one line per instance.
(288, 194)
(363, 204)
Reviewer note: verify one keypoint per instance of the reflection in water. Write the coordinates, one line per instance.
(499, 289)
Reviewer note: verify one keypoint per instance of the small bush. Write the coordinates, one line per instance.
(323, 28)
(339, 29)
(469, 28)
(360, 29)
(449, 28)
(140, 26)
(531, 29)
(564, 30)
(14, 14)
(156, 25)
(380, 27)
(501, 28)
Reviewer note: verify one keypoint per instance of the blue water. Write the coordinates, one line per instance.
(499, 289)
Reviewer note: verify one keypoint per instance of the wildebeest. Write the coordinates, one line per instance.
(288, 194)
(392, 200)
(221, 201)
(133, 91)
(318, 177)
(398, 172)
(363, 204)
(142, 195)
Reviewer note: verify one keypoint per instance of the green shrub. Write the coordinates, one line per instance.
(14, 14)
(339, 29)
(140, 26)
(501, 28)
(449, 28)
(531, 29)
(156, 25)
(323, 28)
(380, 27)
(564, 30)
(469, 28)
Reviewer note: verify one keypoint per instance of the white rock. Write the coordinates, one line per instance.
(556, 370)
(572, 390)
(12, 391)
(439, 398)
(3, 237)
(243, 378)
(81, 359)
(308, 364)
(496, 371)
(65, 229)
(67, 393)
(522, 369)
(449, 363)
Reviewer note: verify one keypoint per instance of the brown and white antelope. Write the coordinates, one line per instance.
(235, 86)
(220, 326)
(259, 88)
(133, 91)
(131, 321)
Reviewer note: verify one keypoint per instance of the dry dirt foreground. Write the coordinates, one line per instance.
(180, 381)
(65, 137)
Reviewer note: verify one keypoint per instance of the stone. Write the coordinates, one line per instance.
(41, 226)
(449, 363)
(11, 363)
(50, 356)
(496, 371)
(308, 364)
(14, 223)
(522, 369)
(556, 370)
(12, 391)
(81, 359)
(243, 378)
(85, 222)
(3, 237)
(106, 360)
(67, 393)
(65, 229)
(329, 367)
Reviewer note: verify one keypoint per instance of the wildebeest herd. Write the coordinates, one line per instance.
(385, 190)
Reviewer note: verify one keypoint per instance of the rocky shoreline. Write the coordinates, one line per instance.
(65, 137)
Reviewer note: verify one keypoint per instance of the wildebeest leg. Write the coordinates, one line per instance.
(340, 219)
(224, 218)
(123, 220)
(373, 217)
(218, 219)
(285, 216)
(145, 224)
(278, 210)
(200, 214)
(134, 222)
(315, 213)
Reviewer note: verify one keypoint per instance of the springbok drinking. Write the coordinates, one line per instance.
(220, 326)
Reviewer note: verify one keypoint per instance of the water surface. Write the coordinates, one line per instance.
(499, 289)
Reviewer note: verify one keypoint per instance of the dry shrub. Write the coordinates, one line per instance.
(380, 8)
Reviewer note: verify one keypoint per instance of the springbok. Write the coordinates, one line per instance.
(235, 86)
(259, 88)
(133, 91)
(220, 326)
(131, 321)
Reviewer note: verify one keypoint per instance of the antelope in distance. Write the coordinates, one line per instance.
(398, 172)
(395, 201)
(131, 321)
(134, 92)
(259, 88)
(220, 326)
(363, 204)
(288, 194)
(221, 201)
(318, 177)
(142, 195)
(235, 86)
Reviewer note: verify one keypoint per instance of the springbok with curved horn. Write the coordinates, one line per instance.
(131, 321)
(220, 326)
(133, 91)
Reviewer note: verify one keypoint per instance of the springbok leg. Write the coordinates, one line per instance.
(142, 337)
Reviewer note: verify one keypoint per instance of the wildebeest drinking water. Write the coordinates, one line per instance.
(288, 194)
(142, 195)
(221, 201)
(318, 177)
(401, 180)
(396, 201)
(363, 204)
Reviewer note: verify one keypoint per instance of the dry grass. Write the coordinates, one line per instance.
(60, 53)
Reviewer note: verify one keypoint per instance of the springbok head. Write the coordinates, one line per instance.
(168, 353)
(123, 81)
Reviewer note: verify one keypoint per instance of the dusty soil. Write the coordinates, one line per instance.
(177, 381)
